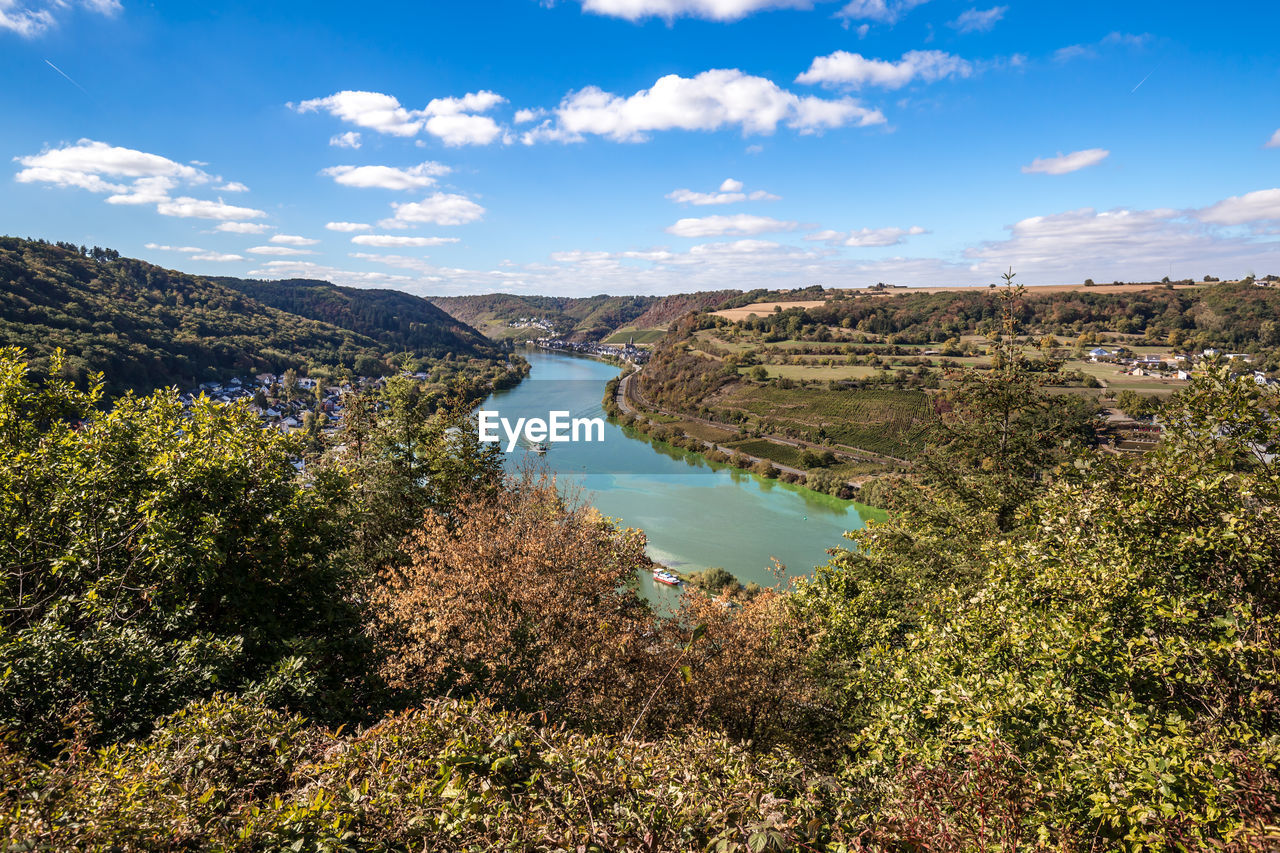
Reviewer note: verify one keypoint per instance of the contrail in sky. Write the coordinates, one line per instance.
(1144, 79)
(65, 74)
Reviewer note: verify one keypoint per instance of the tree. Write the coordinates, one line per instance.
(523, 598)
(1120, 653)
(406, 451)
(152, 555)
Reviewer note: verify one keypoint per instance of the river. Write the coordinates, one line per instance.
(695, 514)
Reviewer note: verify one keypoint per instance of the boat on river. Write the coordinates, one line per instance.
(662, 576)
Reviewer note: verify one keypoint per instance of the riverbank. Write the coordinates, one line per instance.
(718, 445)
(696, 514)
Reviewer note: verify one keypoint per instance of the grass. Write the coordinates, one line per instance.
(761, 309)
(783, 454)
(807, 371)
(706, 432)
(641, 336)
(883, 421)
(1114, 380)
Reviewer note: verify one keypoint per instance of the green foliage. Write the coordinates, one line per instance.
(405, 451)
(152, 555)
(397, 320)
(231, 775)
(715, 581)
(1121, 648)
(584, 318)
(146, 327)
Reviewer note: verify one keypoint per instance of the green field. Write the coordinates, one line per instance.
(783, 454)
(814, 371)
(706, 432)
(641, 336)
(1109, 376)
(884, 421)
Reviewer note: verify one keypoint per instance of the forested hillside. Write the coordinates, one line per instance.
(396, 319)
(590, 318)
(145, 326)
(1231, 314)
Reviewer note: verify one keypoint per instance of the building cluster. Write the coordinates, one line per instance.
(532, 323)
(273, 403)
(626, 352)
(1174, 366)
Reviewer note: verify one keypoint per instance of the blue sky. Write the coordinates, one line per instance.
(648, 146)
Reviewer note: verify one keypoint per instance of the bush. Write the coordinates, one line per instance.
(765, 468)
(230, 774)
(154, 555)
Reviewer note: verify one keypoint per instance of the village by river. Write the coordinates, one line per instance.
(695, 514)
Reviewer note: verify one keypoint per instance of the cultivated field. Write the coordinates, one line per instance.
(761, 308)
(641, 336)
(884, 421)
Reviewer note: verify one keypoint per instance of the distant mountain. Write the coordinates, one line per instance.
(576, 318)
(395, 318)
(145, 326)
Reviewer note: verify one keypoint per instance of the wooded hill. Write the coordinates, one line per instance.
(1236, 315)
(392, 317)
(146, 327)
(576, 318)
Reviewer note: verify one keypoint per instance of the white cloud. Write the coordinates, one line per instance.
(243, 227)
(1133, 40)
(1257, 206)
(350, 139)
(715, 99)
(348, 226)
(277, 250)
(373, 110)
(712, 10)
(187, 207)
(232, 187)
(1089, 51)
(292, 240)
(436, 209)
(730, 192)
(459, 129)
(979, 21)
(1072, 51)
(1124, 245)
(866, 237)
(30, 19)
(162, 248)
(130, 176)
(524, 116)
(84, 163)
(217, 256)
(453, 120)
(1274, 141)
(474, 102)
(855, 71)
(393, 241)
(388, 177)
(196, 253)
(716, 226)
(145, 191)
(310, 269)
(880, 11)
(1066, 163)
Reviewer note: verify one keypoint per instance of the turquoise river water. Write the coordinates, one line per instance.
(695, 514)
